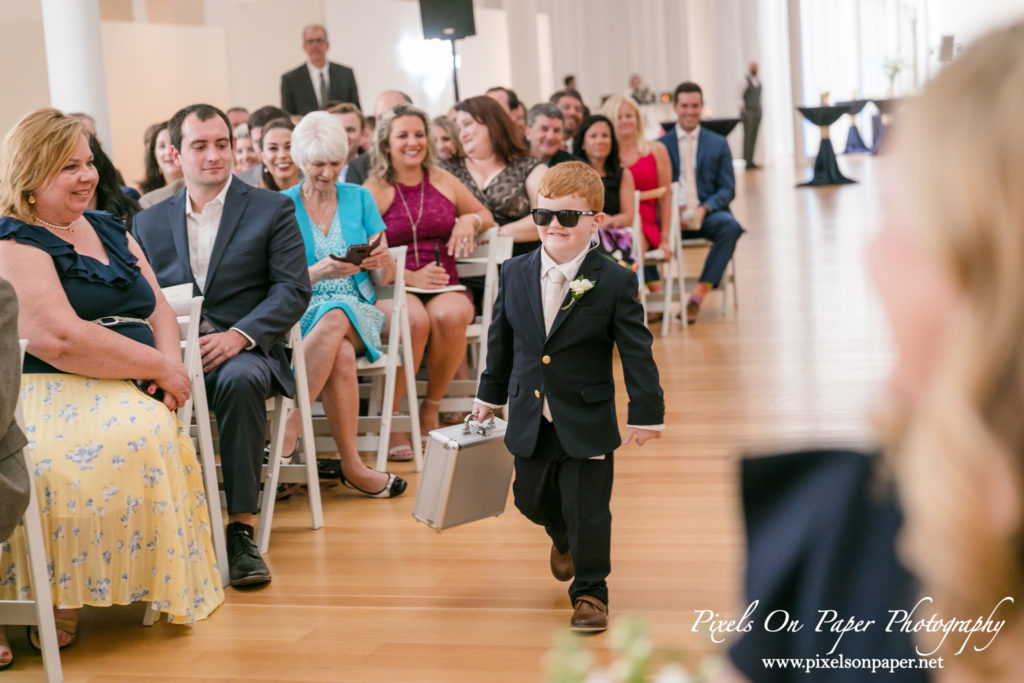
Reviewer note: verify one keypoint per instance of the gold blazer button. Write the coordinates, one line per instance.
(536, 392)
(545, 359)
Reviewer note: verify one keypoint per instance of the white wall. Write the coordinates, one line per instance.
(144, 91)
(25, 84)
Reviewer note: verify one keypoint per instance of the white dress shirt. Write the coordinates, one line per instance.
(569, 269)
(314, 75)
(681, 142)
(202, 230)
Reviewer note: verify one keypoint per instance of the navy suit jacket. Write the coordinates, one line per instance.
(298, 96)
(577, 377)
(257, 280)
(716, 183)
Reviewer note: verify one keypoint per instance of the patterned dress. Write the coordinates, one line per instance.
(505, 196)
(355, 221)
(120, 489)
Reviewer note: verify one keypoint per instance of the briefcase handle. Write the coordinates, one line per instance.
(471, 425)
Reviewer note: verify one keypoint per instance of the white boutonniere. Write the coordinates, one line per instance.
(577, 288)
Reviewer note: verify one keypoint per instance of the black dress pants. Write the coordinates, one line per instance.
(570, 498)
(237, 391)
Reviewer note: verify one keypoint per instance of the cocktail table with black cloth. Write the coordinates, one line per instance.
(854, 141)
(887, 106)
(826, 170)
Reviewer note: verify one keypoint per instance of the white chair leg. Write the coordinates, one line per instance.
(282, 404)
(410, 393)
(669, 278)
(209, 464)
(151, 615)
(42, 604)
(304, 404)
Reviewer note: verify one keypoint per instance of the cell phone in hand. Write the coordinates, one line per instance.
(357, 253)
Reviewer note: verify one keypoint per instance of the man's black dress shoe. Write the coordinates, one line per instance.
(245, 564)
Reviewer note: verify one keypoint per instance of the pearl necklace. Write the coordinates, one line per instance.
(67, 227)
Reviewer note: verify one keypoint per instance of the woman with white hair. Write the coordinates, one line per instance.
(341, 321)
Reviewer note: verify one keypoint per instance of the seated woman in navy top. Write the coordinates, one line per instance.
(119, 486)
(834, 531)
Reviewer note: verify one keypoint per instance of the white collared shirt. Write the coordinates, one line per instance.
(202, 232)
(569, 270)
(314, 75)
(681, 142)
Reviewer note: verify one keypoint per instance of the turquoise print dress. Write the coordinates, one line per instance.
(356, 221)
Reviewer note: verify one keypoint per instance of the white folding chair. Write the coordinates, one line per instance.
(197, 413)
(38, 611)
(491, 251)
(729, 278)
(671, 269)
(302, 469)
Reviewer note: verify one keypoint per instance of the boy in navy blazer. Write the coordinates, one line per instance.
(702, 163)
(560, 311)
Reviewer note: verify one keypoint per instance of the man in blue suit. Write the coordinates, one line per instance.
(241, 249)
(702, 163)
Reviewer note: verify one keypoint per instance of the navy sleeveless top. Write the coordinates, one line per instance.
(93, 289)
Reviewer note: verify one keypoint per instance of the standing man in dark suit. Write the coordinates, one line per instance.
(317, 82)
(702, 163)
(241, 249)
(750, 112)
(559, 313)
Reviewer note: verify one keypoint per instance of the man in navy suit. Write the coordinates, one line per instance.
(318, 82)
(559, 313)
(241, 249)
(702, 164)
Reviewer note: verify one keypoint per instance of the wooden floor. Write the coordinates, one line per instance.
(376, 596)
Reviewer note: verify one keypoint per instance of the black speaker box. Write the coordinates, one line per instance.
(447, 19)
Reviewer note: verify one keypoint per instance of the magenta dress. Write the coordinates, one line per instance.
(420, 229)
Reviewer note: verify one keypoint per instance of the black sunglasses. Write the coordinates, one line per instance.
(567, 218)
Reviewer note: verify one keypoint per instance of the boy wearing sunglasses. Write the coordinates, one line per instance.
(559, 312)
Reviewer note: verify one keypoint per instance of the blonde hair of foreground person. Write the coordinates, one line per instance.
(957, 449)
(35, 149)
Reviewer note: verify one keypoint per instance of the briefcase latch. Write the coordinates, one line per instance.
(471, 425)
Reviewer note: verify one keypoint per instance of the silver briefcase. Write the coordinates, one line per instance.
(466, 474)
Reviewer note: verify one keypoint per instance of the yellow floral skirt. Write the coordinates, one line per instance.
(122, 501)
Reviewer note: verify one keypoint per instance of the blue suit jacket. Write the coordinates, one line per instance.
(577, 377)
(716, 184)
(257, 279)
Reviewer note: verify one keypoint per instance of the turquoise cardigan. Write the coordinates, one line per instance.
(360, 220)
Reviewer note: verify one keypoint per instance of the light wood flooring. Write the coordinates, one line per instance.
(376, 596)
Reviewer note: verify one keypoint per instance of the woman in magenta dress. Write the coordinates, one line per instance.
(648, 161)
(427, 209)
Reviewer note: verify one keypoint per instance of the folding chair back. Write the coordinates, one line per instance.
(667, 259)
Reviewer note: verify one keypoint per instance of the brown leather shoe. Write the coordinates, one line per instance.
(561, 565)
(692, 309)
(590, 615)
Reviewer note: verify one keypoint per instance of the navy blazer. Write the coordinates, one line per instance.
(572, 365)
(257, 279)
(298, 96)
(716, 183)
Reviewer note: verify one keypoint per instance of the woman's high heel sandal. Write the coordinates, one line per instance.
(395, 487)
